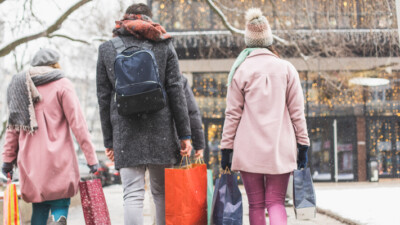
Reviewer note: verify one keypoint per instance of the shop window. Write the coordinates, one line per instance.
(210, 92)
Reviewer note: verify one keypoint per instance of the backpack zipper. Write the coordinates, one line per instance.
(144, 82)
(127, 56)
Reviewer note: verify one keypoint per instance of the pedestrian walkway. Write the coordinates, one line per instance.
(362, 202)
(115, 206)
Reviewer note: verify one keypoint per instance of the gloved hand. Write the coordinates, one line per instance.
(93, 168)
(302, 158)
(7, 168)
(226, 160)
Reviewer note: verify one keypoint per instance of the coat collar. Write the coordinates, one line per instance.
(261, 51)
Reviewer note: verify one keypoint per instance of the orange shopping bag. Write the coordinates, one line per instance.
(186, 195)
(10, 205)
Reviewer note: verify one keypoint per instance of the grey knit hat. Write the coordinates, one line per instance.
(45, 57)
(258, 32)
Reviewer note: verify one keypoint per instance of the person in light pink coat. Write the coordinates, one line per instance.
(44, 108)
(265, 126)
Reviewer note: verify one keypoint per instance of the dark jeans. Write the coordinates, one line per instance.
(41, 210)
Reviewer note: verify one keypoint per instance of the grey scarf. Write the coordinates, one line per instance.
(22, 94)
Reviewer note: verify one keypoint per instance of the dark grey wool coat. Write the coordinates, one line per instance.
(150, 138)
(196, 127)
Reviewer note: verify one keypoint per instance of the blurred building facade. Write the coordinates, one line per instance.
(341, 40)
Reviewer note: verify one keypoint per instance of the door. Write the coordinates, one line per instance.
(321, 153)
(384, 144)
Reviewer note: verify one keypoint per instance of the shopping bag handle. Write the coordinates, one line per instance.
(187, 161)
(227, 171)
(200, 160)
(8, 178)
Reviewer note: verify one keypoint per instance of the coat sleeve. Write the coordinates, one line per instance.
(233, 113)
(196, 125)
(73, 112)
(104, 92)
(295, 105)
(10, 148)
(176, 95)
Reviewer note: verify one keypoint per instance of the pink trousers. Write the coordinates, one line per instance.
(266, 191)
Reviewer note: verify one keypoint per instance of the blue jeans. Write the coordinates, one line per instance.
(41, 210)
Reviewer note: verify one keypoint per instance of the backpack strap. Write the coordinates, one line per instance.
(118, 44)
(147, 45)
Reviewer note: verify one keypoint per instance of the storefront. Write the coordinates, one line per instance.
(344, 40)
(384, 144)
(323, 107)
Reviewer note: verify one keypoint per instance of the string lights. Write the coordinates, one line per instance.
(327, 93)
(339, 14)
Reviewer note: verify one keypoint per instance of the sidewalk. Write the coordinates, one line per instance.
(362, 202)
(115, 206)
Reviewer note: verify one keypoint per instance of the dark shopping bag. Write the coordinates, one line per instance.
(304, 195)
(227, 207)
(186, 195)
(94, 203)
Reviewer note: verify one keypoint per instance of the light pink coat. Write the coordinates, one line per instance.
(265, 115)
(47, 160)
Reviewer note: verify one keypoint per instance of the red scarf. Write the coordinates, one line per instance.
(142, 27)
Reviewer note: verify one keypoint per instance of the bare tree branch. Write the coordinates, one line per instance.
(1, 1)
(223, 18)
(3, 128)
(45, 33)
(234, 30)
(69, 38)
(34, 14)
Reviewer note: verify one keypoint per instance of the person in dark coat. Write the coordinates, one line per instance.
(196, 125)
(151, 141)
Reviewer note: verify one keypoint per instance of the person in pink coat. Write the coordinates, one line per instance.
(44, 108)
(265, 132)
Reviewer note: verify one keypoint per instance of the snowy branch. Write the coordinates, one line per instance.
(45, 33)
(69, 38)
(234, 30)
(223, 18)
(1, 1)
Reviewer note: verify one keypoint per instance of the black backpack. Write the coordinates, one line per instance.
(138, 89)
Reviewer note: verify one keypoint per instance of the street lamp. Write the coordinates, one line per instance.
(366, 82)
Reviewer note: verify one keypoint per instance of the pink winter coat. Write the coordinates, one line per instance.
(264, 115)
(47, 160)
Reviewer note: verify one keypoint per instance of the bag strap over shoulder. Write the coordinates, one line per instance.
(147, 45)
(118, 44)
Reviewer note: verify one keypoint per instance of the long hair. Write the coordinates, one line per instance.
(56, 66)
(273, 50)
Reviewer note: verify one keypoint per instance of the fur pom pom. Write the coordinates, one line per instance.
(253, 13)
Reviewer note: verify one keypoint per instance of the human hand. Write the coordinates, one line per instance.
(110, 154)
(226, 161)
(93, 168)
(186, 147)
(7, 168)
(302, 157)
(199, 153)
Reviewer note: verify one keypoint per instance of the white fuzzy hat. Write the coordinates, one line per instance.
(258, 32)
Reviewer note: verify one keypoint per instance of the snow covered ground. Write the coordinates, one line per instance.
(365, 203)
